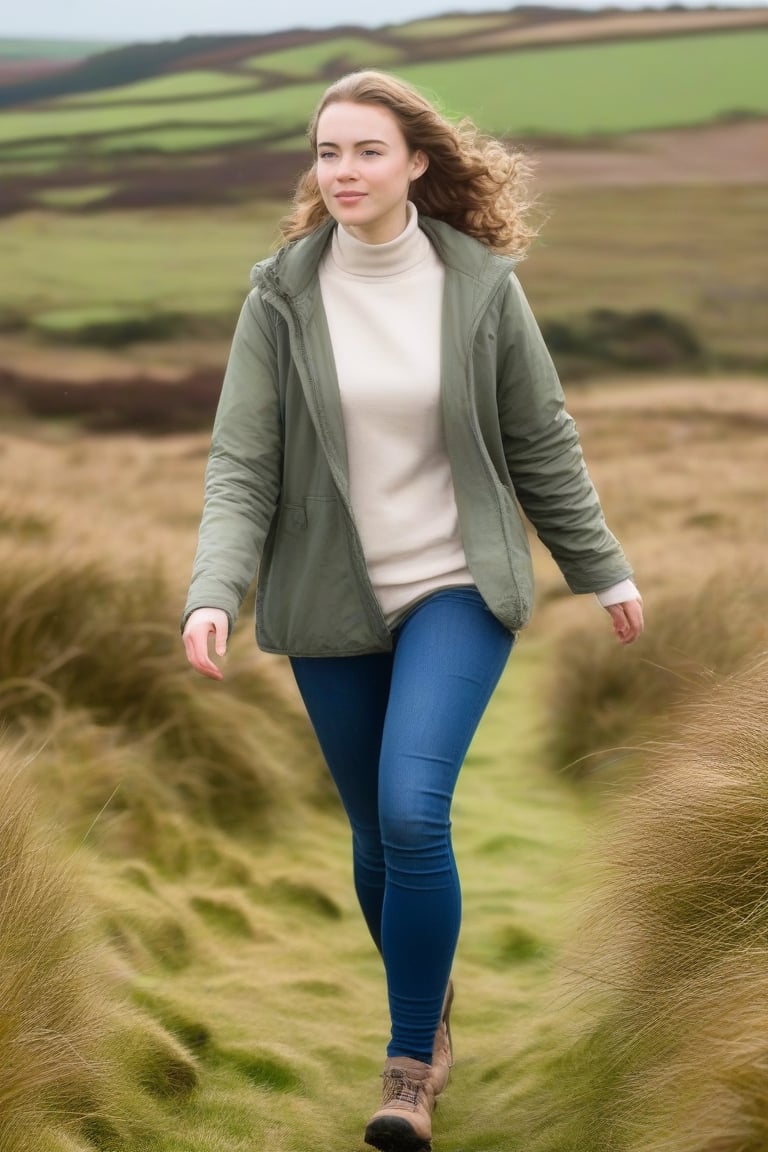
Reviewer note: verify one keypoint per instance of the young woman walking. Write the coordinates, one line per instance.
(388, 407)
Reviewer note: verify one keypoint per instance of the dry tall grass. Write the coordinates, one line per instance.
(80, 1066)
(606, 701)
(672, 960)
(90, 657)
(237, 971)
(50, 982)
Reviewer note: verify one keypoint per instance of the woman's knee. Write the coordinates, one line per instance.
(408, 829)
(367, 847)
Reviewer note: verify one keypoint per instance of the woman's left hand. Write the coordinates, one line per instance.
(627, 620)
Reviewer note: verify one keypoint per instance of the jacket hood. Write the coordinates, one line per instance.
(291, 269)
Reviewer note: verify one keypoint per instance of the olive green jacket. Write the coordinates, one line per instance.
(277, 489)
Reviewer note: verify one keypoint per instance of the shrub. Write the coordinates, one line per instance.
(604, 337)
(142, 404)
(110, 326)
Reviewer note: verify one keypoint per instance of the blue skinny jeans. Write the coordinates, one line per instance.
(394, 729)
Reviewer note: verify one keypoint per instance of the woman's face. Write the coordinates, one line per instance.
(364, 169)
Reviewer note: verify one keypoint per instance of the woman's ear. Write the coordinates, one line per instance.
(419, 164)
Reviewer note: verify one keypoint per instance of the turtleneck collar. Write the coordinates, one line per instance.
(357, 258)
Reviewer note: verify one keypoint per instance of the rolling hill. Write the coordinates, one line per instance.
(217, 119)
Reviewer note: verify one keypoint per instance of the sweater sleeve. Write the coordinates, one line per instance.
(618, 594)
(544, 457)
(243, 474)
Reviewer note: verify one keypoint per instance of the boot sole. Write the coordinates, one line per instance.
(391, 1134)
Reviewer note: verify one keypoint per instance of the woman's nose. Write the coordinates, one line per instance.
(347, 169)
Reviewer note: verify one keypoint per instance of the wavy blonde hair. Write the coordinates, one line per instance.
(472, 182)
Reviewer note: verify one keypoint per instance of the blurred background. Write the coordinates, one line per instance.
(182, 963)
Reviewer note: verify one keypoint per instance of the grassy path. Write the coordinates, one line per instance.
(276, 983)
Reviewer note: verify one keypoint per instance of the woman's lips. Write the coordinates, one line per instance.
(349, 197)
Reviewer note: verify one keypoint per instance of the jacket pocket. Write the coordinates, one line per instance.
(311, 601)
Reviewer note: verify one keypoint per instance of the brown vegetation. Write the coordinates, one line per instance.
(735, 153)
(595, 26)
(679, 463)
(599, 342)
(680, 467)
(84, 649)
(717, 154)
(606, 705)
(51, 1023)
(669, 972)
(78, 509)
(144, 404)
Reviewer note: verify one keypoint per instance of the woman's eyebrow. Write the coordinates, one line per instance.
(358, 144)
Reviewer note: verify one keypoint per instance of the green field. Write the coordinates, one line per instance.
(631, 249)
(308, 60)
(194, 261)
(447, 26)
(642, 249)
(80, 197)
(656, 83)
(179, 86)
(177, 139)
(605, 88)
(278, 110)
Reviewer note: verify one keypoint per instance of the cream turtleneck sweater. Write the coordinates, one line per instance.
(383, 303)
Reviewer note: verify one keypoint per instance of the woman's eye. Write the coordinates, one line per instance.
(326, 155)
(371, 152)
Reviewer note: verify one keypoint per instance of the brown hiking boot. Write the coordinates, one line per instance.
(442, 1050)
(404, 1121)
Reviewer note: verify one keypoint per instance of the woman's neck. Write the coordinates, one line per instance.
(358, 258)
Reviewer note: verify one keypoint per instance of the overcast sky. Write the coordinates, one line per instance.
(120, 20)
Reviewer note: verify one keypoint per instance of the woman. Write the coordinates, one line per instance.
(387, 405)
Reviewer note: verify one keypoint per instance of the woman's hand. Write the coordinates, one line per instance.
(203, 623)
(627, 620)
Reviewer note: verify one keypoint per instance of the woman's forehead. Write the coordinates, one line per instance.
(344, 120)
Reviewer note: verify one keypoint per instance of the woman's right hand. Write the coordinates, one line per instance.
(203, 623)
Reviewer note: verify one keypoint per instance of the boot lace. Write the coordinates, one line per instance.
(400, 1088)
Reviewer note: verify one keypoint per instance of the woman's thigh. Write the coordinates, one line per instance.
(346, 699)
(449, 654)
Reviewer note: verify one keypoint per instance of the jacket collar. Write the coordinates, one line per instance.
(466, 255)
(293, 267)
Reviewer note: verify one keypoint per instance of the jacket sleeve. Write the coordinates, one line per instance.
(243, 474)
(544, 457)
